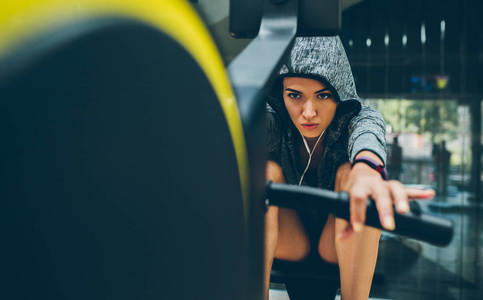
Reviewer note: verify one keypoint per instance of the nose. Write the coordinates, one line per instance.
(309, 110)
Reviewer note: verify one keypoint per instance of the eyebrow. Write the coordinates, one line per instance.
(317, 92)
(292, 90)
(322, 90)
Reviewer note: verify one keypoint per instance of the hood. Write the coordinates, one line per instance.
(322, 58)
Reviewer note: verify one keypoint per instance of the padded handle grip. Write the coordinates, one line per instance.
(417, 225)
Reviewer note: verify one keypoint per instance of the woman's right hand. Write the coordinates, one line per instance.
(362, 182)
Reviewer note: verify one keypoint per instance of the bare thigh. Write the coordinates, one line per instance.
(293, 241)
(326, 246)
(286, 237)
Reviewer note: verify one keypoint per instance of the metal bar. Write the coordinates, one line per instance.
(261, 60)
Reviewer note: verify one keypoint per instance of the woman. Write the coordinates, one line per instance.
(315, 120)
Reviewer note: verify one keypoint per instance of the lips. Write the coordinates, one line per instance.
(310, 126)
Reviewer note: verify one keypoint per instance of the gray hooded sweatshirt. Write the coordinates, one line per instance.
(355, 127)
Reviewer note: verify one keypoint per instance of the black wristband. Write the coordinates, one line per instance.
(373, 164)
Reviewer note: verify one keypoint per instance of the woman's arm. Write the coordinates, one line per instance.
(367, 139)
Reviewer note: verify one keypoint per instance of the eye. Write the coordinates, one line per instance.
(293, 95)
(324, 96)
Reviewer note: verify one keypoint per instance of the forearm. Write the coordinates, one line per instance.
(367, 135)
(370, 146)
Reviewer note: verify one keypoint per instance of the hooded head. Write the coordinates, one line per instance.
(324, 59)
(316, 59)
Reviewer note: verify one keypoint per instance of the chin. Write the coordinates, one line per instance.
(311, 134)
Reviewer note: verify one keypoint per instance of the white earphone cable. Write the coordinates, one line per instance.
(310, 155)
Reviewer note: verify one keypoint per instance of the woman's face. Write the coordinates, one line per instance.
(310, 104)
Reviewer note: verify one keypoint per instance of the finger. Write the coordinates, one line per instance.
(400, 196)
(420, 194)
(358, 204)
(383, 200)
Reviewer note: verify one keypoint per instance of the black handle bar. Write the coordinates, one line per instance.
(417, 225)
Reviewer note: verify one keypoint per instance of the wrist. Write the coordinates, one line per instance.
(372, 163)
(370, 154)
